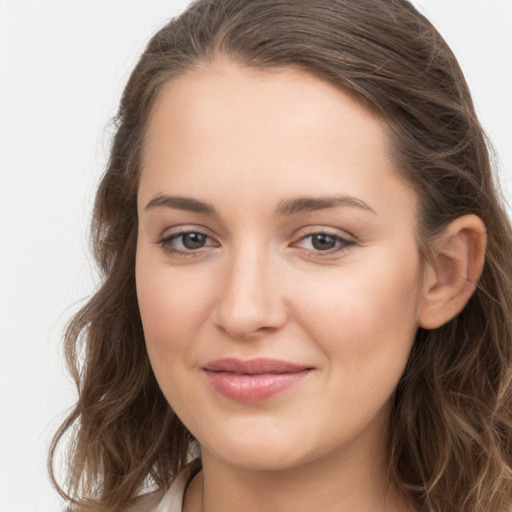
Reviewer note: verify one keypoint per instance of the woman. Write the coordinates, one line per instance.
(306, 274)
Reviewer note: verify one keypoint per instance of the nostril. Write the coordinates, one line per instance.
(245, 328)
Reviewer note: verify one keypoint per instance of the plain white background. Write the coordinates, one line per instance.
(62, 68)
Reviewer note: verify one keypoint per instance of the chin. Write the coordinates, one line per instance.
(256, 458)
(262, 450)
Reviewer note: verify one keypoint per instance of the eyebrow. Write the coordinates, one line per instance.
(310, 204)
(181, 203)
(289, 207)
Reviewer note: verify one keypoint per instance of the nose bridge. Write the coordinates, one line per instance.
(250, 301)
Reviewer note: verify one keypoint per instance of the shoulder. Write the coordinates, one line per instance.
(146, 502)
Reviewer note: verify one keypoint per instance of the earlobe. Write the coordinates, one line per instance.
(458, 257)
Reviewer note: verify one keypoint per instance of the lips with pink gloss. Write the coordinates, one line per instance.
(254, 380)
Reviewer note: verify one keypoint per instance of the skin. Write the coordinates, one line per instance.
(244, 142)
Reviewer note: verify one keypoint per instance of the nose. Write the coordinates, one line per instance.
(251, 301)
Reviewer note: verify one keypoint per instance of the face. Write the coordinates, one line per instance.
(278, 275)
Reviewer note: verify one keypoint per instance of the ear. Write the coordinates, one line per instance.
(458, 257)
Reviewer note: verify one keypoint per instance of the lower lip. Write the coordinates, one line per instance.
(253, 388)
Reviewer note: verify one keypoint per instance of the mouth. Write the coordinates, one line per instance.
(254, 380)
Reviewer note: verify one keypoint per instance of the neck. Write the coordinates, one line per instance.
(337, 482)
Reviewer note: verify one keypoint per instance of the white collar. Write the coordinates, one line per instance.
(172, 500)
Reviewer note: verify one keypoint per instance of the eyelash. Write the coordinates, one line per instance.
(342, 244)
(166, 243)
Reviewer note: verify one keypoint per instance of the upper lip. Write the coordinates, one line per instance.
(254, 366)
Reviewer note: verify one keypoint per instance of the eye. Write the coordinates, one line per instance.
(324, 242)
(186, 242)
(192, 240)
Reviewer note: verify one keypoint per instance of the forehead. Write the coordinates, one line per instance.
(282, 130)
(236, 99)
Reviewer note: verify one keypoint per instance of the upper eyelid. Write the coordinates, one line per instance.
(184, 229)
(299, 233)
(173, 236)
(316, 230)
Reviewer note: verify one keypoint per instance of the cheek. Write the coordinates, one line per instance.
(365, 319)
(172, 308)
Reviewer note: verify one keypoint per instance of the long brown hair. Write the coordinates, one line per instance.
(451, 422)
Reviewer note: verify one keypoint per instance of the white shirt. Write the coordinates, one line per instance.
(172, 500)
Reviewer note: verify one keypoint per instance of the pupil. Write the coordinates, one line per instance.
(323, 242)
(194, 240)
